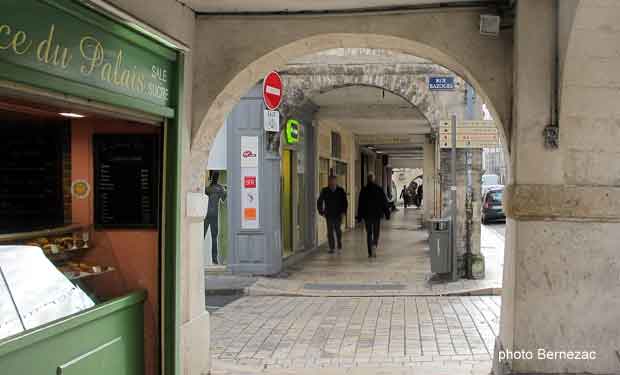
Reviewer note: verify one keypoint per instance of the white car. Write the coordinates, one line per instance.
(486, 188)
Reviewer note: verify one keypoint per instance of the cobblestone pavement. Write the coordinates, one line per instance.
(450, 335)
(402, 266)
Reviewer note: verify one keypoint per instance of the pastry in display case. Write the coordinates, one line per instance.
(64, 247)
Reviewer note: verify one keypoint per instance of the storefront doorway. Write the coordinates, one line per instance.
(85, 188)
(287, 202)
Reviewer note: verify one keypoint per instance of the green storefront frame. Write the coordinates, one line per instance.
(55, 344)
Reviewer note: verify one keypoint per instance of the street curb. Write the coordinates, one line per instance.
(264, 292)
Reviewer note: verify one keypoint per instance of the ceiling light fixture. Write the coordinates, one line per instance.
(71, 115)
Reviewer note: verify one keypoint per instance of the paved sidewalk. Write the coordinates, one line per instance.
(225, 368)
(435, 335)
(402, 266)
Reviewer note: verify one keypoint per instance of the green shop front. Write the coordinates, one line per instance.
(89, 192)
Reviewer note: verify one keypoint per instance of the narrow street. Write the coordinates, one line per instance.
(343, 312)
(402, 266)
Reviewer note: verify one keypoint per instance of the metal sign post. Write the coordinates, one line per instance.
(453, 226)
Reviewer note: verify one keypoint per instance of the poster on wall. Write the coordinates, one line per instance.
(249, 182)
(249, 151)
(249, 198)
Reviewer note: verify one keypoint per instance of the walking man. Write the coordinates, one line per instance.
(216, 193)
(405, 196)
(372, 206)
(333, 204)
(419, 195)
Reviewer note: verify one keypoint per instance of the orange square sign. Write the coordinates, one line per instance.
(249, 213)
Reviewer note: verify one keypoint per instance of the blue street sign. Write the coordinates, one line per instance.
(441, 83)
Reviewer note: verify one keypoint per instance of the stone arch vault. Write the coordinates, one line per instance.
(410, 86)
(226, 67)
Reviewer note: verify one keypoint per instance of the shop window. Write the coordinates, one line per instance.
(341, 175)
(336, 145)
(323, 172)
(59, 254)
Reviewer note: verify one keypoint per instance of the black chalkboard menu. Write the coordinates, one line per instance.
(126, 186)
(31, 171)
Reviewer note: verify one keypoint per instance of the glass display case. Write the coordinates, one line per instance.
(33, 291)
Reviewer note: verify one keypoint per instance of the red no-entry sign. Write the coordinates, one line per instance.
(272, 90)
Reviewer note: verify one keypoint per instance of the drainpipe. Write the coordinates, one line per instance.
(551, 133)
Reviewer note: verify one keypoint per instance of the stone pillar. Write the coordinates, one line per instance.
(561, 288)
(430, 173)
(467, 235)
(195, 325)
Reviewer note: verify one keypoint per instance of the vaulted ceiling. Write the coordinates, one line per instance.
(378, 118)
(368, 110)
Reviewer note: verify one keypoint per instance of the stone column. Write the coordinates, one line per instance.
(561, 287)
(194, 327)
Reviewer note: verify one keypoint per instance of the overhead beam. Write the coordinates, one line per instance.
(406, 163)
(396, 139)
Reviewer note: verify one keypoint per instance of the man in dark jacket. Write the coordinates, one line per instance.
(332, 204)
(372, 206)
(405, 196)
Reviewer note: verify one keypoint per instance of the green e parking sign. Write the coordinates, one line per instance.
(292, 131)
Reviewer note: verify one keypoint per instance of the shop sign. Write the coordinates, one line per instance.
(293, 128)
(80, 189)
(249, 181)
(249, 198)
(441, 83)
(66, 40)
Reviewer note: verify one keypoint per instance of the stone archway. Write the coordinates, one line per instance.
(411, 86)
(217, 92)
(209, 114)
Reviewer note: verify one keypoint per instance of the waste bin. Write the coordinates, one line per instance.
(440, 244)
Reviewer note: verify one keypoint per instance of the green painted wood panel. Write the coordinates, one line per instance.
(107, 339)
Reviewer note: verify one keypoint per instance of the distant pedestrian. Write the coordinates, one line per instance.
(404, 195)
(372, 207)
(419, 195)
(333, 205)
